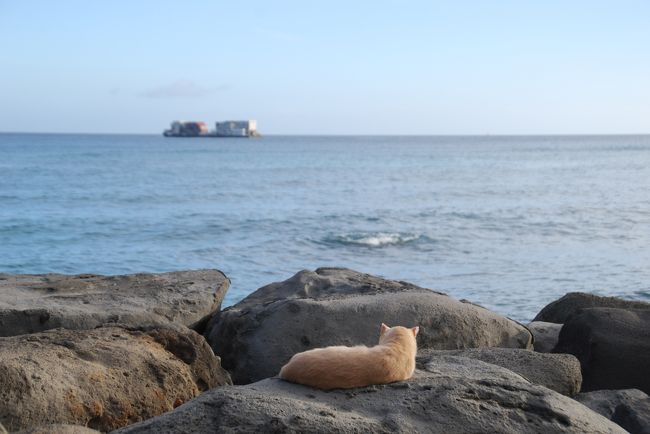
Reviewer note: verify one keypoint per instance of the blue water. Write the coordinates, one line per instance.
(510, 223)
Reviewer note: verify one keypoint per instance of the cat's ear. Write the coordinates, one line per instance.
(415, 330)
(383, 329)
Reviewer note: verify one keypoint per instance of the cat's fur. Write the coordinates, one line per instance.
(346, 367)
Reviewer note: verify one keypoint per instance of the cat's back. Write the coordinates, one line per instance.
(324, 358)
(330, 367)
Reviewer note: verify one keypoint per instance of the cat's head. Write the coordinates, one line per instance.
(386, 332)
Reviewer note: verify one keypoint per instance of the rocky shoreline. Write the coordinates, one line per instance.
(151, 353)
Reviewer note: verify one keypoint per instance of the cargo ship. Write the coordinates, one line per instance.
(222, 129)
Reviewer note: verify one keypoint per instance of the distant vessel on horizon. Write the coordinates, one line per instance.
(222, 129)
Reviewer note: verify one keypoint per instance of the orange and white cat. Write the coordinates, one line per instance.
(346, 367)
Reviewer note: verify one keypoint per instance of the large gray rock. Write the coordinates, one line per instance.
(33, 303)
(559, 372)
(560, 310)
(334, 306)
(630, 408)
(452, 395)
(59, 429)
(103, 378)
(545, 334)
(613, 346)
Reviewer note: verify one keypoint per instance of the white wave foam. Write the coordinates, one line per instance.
(378, 239)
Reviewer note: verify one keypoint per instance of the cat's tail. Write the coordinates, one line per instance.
(284, 372)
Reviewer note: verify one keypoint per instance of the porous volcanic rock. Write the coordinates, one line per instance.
(545, 335)
(559, 372)
(563, 308)
(630, 408)
(451, 395)
(103, 378)
(335, 306)
(33, 303)
(613, 346)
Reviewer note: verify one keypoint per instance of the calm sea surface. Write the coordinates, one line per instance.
(510, 223)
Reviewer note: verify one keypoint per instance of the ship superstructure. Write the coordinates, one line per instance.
(246, 128)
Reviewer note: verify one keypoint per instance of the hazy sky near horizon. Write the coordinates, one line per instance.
(334, 67)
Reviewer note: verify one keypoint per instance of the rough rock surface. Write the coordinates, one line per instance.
(334, 306)
(59, 429)
(559, 372)
(545, 335)
(630, 408)
(452, 395)
(635, 419)
(613, 346)
(103, 378)
(33, 303)
(561, 309)
(2, 429)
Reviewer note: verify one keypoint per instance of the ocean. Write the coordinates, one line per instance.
(510, 222)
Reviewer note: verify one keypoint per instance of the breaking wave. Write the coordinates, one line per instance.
(372, 239)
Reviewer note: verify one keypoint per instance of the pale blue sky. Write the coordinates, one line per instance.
(332, 67)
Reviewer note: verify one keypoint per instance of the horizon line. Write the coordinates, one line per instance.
(347, 134)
